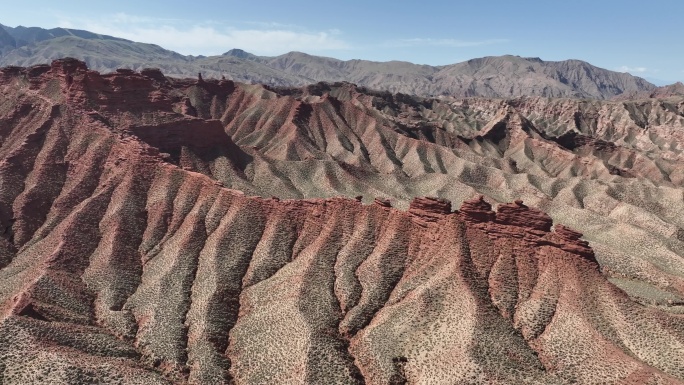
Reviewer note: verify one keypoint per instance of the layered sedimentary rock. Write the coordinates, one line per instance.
(133, 249)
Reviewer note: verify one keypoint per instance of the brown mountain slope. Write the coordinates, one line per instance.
(126, 260)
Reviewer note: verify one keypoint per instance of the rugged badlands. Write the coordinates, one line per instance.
(146, 236)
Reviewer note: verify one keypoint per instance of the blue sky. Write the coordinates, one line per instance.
(643, 38)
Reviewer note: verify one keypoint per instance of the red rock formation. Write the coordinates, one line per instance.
(477, 210)
(124, 259)
(571, 241)
(519, 221)
(517, 214)
(383, 202)
(429, 209)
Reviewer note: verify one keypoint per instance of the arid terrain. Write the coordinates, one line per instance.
(157, 230)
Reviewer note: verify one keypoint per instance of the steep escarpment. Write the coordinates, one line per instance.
(129, 255)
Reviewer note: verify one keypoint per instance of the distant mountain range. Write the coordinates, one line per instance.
(500, 76)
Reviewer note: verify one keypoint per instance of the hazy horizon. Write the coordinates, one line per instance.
(625, 36)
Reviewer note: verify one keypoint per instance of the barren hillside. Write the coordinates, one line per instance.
(146, 235)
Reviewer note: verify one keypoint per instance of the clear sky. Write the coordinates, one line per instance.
(645, 38)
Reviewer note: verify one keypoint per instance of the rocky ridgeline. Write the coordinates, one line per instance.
(124, 90)
(429, 209)
(477, 211)
(520, 221)
(571, 242)
(514, 220)
(517, 214)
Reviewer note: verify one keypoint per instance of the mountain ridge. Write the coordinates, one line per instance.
(496, 76)
(27, 35)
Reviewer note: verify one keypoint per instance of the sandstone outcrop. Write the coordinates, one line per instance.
(517, 214)
(516, 220)
(429, 209)
(477, 210)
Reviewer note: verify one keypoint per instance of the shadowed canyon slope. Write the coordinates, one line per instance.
(501, 76)
(128, 255)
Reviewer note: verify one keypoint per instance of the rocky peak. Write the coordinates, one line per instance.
(236, 52)
(667, 91)
(508, 127)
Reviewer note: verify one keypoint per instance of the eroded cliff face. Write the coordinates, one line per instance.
(126, 257)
